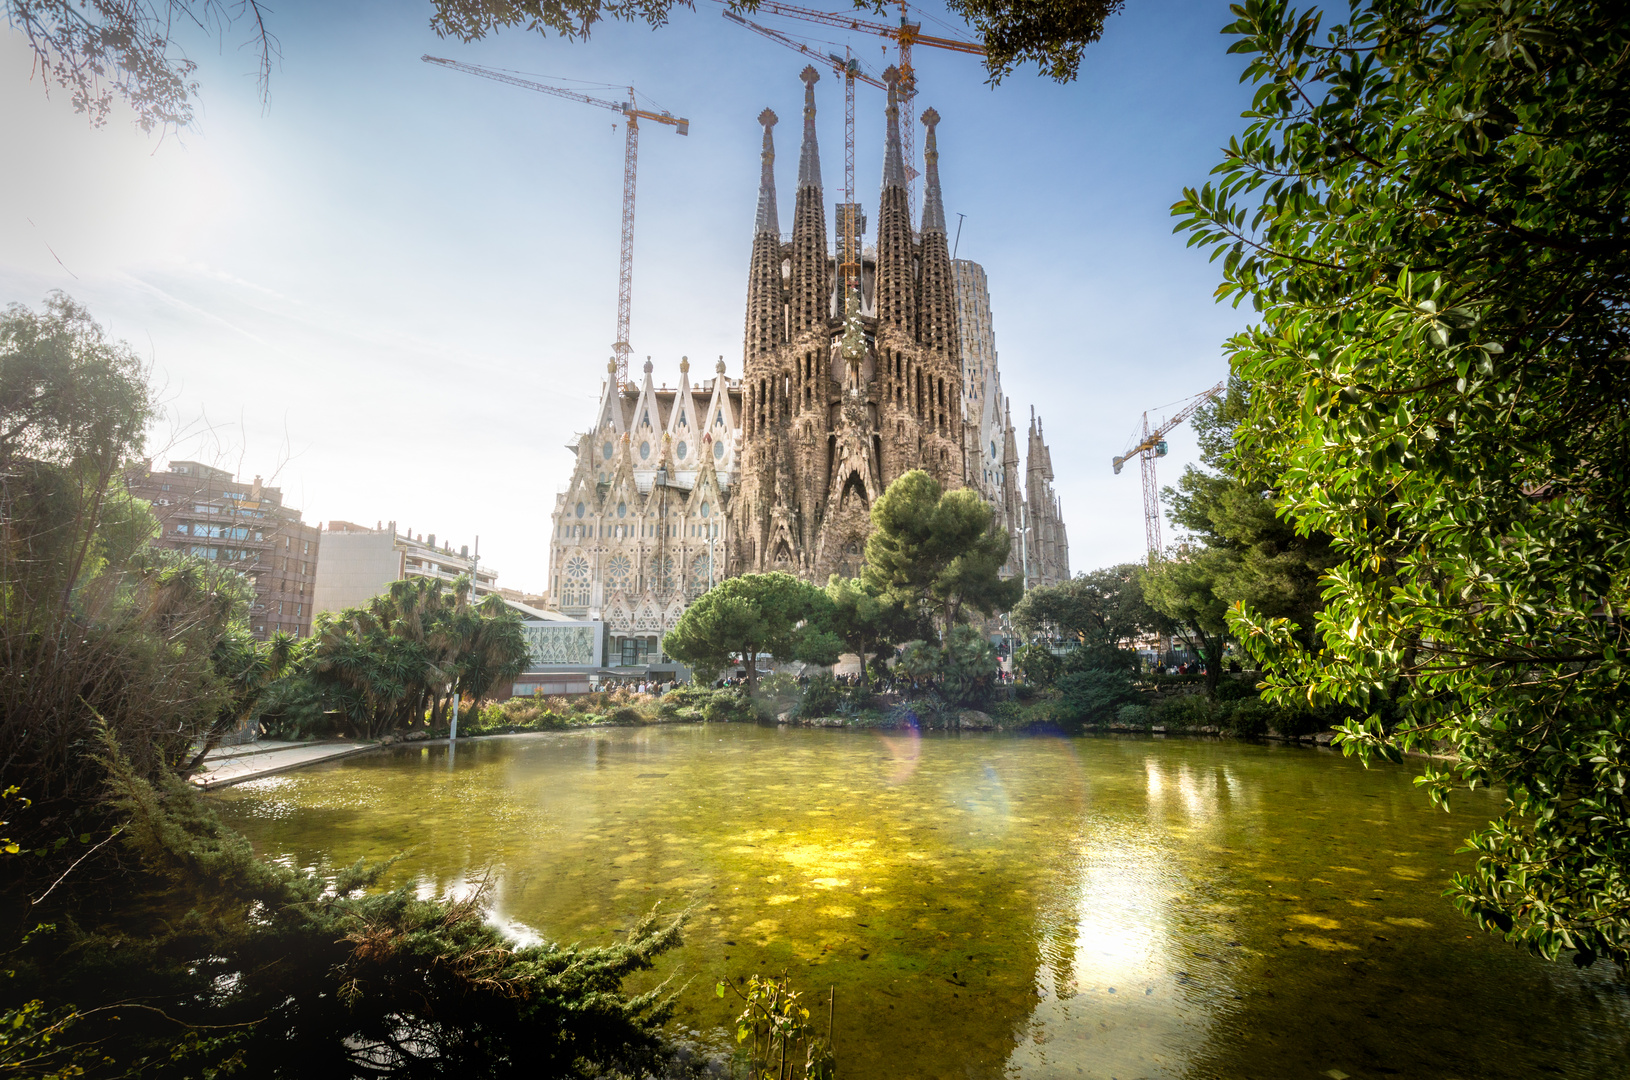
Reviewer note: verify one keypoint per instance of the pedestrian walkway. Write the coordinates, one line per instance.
(251, 761)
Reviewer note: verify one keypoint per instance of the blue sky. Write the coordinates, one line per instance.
(395, 285)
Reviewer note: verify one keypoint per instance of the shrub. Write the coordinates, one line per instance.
(1133, 715)
(682, 701)
(1187, 712)
(729, 705)
(295, 708)
(1235, 688)
(820, 696)
(1093, 695)
(519, 712)
(1295, 723)
(926, 711)
(967, 668)
(626, 715)
(1250, 718)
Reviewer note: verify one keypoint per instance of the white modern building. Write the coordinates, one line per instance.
(356, 564)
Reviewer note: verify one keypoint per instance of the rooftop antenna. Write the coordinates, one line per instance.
(959, 218)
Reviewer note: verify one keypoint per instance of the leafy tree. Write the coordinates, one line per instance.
(99, 49)
(743, 617)
(1429, 212)
(936, 552)
(1037, 663)
(868, 623)
(1230, 505)
(1184, 588)
(1105, 611)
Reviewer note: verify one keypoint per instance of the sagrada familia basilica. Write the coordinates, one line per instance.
(858, 366)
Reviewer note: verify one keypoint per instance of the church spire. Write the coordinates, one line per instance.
(769, 219)
(936, 287)
(809, 280)
(809, 156)
(933, 205)
(896, 291)
(894, 167)
(766, 321)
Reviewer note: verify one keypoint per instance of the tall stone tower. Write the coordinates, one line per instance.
(850, 378)
(1048, 545)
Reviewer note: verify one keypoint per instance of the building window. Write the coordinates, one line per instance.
(622, 509)
(681, 450)
(581, 509)
(605, 451)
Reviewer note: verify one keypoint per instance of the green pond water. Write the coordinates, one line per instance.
(989, 905)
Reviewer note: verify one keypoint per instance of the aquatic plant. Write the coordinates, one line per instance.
(775, 1037)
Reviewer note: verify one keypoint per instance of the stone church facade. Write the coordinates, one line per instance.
(850, 379)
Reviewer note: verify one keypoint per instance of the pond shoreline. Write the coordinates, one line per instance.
(208, 782)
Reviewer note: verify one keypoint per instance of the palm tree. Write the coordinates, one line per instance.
(397, 660)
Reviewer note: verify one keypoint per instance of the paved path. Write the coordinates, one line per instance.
(235, 764)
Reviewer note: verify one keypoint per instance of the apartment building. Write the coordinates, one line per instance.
(206, 512)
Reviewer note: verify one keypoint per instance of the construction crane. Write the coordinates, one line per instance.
(905, 36)
(849, 68)
(632, 115)
(1151, 446)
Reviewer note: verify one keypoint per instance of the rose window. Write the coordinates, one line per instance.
(619, 571)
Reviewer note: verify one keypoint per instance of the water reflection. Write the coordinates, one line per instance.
(986, 907)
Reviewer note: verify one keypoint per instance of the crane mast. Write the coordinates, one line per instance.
(632, 115)
(905, 36)
(848, 67)
(1152, 445)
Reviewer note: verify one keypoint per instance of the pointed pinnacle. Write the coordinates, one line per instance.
(809, 155)
(933, 203)
(894, 169)
(769, 219)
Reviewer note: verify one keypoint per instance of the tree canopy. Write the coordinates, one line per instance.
(752, 614)
(1104, 608)
(1185, 589)
(1429, 212)
(868, 623)
(937, 552)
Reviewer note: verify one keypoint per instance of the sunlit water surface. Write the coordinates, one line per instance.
(992, 906)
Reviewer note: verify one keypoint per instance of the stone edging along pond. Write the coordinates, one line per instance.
(968, 720)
